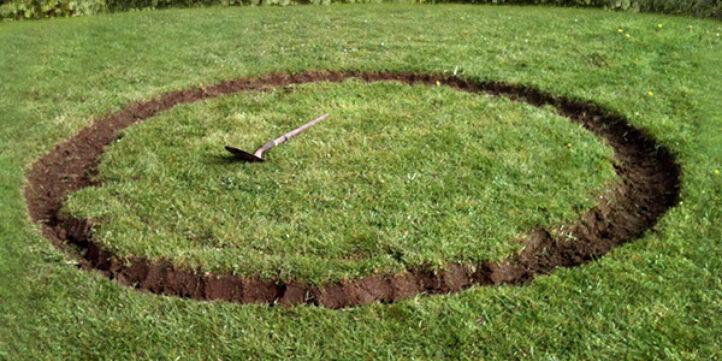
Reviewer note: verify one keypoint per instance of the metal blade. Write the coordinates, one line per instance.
(242, 155)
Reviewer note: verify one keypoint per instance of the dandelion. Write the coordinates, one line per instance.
(716, 172)
(620, 30)
(438, 83)
(660, 25)
(650, 93)
(627, 36)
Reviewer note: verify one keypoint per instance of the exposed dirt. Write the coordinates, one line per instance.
(649, 185)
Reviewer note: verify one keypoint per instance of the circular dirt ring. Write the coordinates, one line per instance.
(648, 186)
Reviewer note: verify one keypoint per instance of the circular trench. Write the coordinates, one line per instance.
(648, 186)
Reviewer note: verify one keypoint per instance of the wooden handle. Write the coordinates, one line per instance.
(284, 138)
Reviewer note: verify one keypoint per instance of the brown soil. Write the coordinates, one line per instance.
(649, 185)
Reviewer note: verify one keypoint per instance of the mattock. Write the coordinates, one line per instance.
(257, 156)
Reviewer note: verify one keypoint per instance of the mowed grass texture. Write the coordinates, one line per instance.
(400, 176)
(656, 298)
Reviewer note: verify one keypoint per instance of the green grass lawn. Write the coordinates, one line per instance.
(399, 177)
(656, 298)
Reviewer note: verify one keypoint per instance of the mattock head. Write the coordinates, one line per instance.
(242, 155)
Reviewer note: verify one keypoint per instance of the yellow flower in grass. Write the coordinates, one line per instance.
(716, 172)
(650, 93)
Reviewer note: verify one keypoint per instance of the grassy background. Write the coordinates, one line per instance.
(399, 177)
(657, 298)
(35, 9)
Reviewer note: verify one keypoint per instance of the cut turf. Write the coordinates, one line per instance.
(401, 176)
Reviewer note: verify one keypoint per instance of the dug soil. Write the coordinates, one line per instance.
(648, 186)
